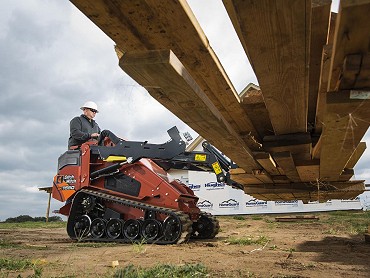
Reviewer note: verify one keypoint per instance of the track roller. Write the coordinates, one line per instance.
(114, 228)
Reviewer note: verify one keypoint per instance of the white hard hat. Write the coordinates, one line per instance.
(91, 105)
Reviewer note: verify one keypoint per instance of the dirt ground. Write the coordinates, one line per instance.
(295, 249)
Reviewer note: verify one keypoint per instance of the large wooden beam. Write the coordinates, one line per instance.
(309, 170)
(168, 81)
(149, 25)
(286, 162)
(268, 163)
(299, 144)
(351, 36)
(319, 31)
(346, 174)
(306, 191)
(355, 73)
(255, 107)
(275, 37)
(324, 77)
(356, 155)
(345, 123)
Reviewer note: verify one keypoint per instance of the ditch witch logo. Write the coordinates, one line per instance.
(205, 205)
(214, 185)
(231, 203)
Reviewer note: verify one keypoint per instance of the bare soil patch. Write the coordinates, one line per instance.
(276, 249)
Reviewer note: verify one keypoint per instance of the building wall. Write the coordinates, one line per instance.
(221, 199)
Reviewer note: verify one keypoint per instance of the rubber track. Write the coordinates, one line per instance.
(186, 223)
(215, 223)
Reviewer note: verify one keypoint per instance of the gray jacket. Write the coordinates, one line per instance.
(81, 129)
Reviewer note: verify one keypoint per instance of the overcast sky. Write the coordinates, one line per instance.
(52, 60)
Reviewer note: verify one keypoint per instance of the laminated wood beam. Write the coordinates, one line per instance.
(350, 71)
(346, 174)
(332, 24)
(299, 144)
(282, 179)
(351, 36)
(246, 179)
(345, 123)
(355, 73)
(257, 176)
(306, 191)
(167, 80)
(149, 25)
(308, 170)
(275, 37)
(320, 18)
(356, 155)
(268, 163)
(363, 77)
(324, 77)
(255, 107)
(286, 162)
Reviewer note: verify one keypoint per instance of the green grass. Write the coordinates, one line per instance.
(94, 244)
(239, 217)
(256, 217)
(32, 225)
(139, 246)
(163, 271)
(353, 222)
(261, 240)
(13, 264)
(6, 244)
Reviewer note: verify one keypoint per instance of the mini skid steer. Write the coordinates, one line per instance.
(122, 192)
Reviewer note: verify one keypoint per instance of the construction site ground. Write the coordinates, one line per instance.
(330, 245)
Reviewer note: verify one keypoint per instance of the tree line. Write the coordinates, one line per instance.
(27, 218)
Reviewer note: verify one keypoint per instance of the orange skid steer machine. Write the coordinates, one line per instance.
(122, 192)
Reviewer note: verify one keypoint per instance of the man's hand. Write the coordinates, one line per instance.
(95, 135)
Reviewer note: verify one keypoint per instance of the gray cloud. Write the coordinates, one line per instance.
(53, 59)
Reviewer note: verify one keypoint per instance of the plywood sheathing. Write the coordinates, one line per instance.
(151, 25)
(163, 75)
(345, 123)
(351, 36)
(275, 37)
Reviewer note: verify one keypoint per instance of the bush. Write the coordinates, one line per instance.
(27, 218)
